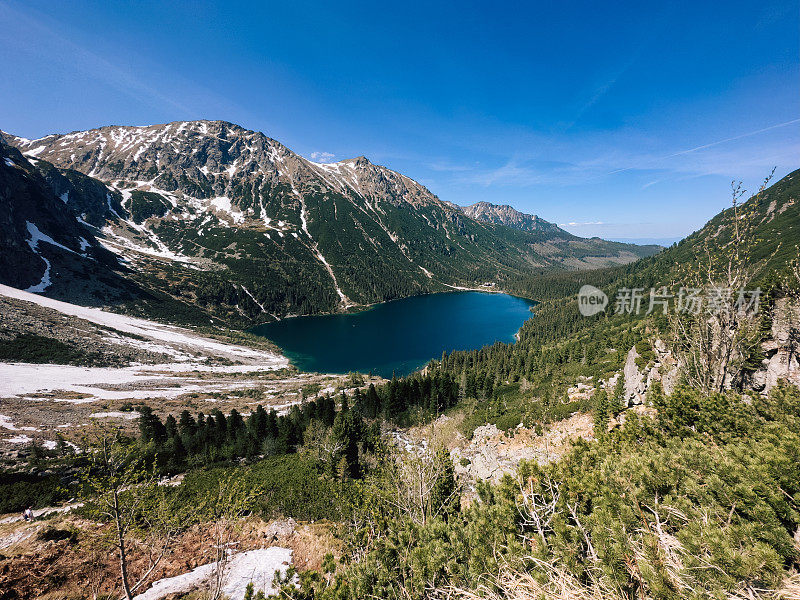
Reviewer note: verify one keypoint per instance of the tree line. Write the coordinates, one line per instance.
(176, 444)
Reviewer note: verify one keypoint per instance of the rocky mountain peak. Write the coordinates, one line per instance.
(503, 214)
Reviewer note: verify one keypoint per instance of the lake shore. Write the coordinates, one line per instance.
(399, 336)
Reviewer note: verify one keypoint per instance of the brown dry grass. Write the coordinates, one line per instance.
(84, 567)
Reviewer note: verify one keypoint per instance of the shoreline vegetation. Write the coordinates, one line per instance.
(355, 309)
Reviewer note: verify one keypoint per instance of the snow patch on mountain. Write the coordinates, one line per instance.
(37, 236)
(223, 204)
(181, 343)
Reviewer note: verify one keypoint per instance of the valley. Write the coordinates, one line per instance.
(112, 364)
(368, 301)
(158, 280)
(208, 220)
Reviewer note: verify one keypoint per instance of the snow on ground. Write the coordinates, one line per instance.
(258, 566)
(188, 351)
(223, 204)
(17, 536)
(128, 416)
(19, 439)
(19, 379)
(155, 331)
(7, 423)
(45, 281)
(64, 382)
(37, 236)
(44, 511)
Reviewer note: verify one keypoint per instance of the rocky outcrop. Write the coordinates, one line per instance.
(781, 350)
(491, 453)
(280, 530)
(42, 245)
(781, 360)
(91, 200)
(664, 369)
(583, 389)
(635, 380)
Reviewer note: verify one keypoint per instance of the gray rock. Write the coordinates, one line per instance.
(280, 529)
(782, 349)
(635, 380)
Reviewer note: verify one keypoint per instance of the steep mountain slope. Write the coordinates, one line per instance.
(775, 215)
(503, 214)
(773, 218)
(219, 216)
(44, 247)
(560, 344)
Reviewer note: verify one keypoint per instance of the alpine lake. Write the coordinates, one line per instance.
(400, 336)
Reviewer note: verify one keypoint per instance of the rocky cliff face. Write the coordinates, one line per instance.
(781, 360)
(41, 241)
(781, 350)
(640, 376)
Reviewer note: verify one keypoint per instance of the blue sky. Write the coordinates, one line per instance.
(626, 121)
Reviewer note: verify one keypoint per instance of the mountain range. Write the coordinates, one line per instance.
(206, 219)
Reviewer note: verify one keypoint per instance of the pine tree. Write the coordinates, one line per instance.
(348, 430)
(395, 402)
(186, 425)
(150, 427)
(601, 414)
(373, 402)
(444, 499)
(328, 410)
(171, 427)
(618, 403)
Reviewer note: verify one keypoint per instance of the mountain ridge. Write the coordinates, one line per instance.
(274, 233)
(505, 214)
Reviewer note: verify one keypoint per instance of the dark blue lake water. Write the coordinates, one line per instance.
(401, 336)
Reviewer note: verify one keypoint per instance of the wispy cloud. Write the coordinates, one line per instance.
(525, 171)
(153, 84)
(710, 145)
(449, 167)
(77, 58)
(603, 89)
(564, 161)
(322, 157)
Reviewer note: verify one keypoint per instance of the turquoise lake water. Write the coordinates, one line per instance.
(401, 336)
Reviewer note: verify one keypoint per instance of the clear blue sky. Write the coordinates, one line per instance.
(625, 119)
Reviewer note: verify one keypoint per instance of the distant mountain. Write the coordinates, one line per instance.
(232, 222)
(503, 214)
